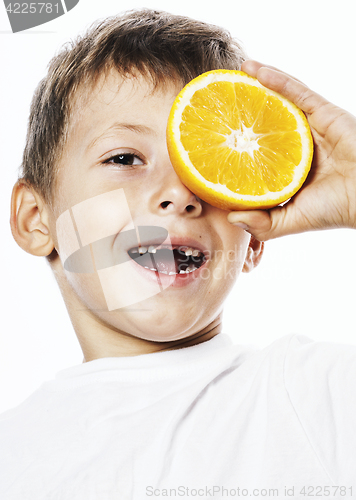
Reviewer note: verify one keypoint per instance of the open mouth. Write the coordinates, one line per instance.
(185, 259)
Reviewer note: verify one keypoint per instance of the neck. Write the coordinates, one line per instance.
(205, 334)
(99, 340)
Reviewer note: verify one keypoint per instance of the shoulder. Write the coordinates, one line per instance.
(319, 378)
(321, 375)
(311, 363)
(303, 359)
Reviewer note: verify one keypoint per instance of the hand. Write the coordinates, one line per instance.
(328, 197)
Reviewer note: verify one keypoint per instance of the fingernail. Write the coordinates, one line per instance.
(241, 224)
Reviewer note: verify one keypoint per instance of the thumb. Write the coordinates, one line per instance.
(265, 224)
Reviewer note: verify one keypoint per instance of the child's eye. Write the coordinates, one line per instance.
(125, 159)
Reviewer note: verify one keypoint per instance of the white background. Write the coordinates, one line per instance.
(304, 284)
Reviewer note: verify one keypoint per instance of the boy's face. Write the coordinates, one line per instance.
(115, 175)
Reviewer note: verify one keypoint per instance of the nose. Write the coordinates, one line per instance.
(173, 197)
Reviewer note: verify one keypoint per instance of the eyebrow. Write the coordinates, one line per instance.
(118, 127)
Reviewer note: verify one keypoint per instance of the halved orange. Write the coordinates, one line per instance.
(236, 144)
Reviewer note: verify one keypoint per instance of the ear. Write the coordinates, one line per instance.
(30, 221)
(253, 255)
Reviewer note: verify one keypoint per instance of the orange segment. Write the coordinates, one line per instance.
(237, 144)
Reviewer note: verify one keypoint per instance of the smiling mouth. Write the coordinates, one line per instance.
(185, 259)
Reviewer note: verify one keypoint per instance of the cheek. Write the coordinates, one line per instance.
(85, 234)
(230, 262)
(236, 252)
(89, 290)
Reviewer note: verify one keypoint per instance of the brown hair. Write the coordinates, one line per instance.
(157, 44)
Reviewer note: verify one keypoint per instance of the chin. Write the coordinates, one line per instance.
(157, 325)
(166, 327)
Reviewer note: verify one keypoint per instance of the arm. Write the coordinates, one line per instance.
(328, 197)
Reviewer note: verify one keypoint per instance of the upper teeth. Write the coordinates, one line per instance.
(152, 249)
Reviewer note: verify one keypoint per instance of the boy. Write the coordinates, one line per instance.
(164, 404)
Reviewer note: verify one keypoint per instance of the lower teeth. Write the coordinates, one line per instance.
(187, 271)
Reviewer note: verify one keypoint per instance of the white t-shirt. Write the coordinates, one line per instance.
(215, 420)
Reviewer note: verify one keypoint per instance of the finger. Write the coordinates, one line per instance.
(256, 222)
(266, 225)
(251, 67)
(286, 85)
(294, 90)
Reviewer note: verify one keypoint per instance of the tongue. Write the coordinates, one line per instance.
(163, 260)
